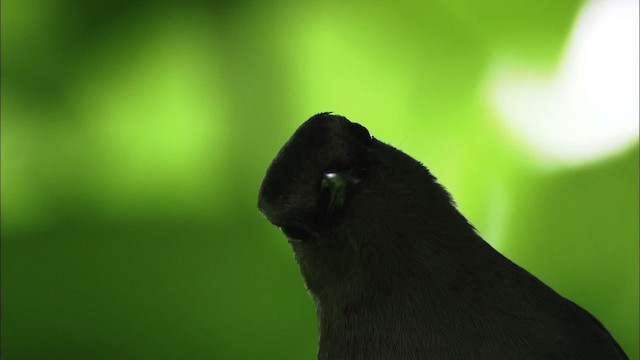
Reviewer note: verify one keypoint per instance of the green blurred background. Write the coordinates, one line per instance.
(135, 135)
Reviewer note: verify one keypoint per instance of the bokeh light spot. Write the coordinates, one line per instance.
(589, 107)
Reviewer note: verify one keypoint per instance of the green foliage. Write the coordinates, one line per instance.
(135, 136)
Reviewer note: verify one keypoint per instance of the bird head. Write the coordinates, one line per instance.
(347, 202)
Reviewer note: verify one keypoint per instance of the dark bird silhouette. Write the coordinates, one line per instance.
(396, 272)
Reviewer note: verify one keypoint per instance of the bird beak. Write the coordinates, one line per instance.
(336, 184)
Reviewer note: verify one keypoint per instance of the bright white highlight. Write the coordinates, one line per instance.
(589, 107)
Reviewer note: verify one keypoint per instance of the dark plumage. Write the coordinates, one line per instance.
(396, 272)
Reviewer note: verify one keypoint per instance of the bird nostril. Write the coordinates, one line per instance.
(294, 233)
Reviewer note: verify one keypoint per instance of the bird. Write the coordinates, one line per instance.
(396, 271)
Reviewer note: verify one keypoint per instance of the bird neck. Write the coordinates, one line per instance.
(394, 321)
(401, 307)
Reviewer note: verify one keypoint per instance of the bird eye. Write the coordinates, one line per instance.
(336, 185)
(294, 233)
